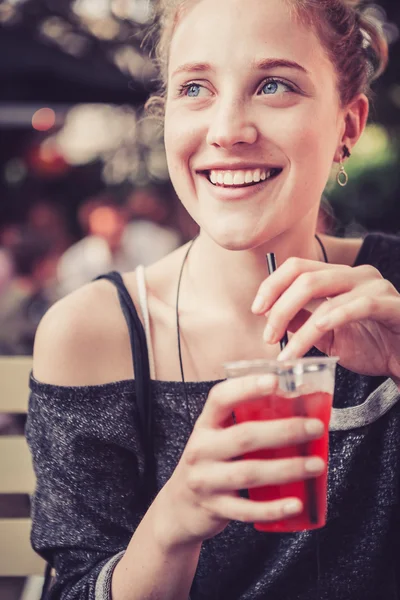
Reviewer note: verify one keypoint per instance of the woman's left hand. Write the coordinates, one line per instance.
(357, 317)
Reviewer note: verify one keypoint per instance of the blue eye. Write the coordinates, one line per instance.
(271, 87)
(193, 90)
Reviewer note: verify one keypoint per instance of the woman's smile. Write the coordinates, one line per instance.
(238, 184)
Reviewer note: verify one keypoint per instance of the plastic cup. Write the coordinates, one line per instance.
(305, 388)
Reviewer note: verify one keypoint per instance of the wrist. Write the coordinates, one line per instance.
(168, 534)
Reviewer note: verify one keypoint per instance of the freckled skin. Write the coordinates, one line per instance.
(230, 114)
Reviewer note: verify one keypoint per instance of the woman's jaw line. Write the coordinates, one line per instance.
(239, 247)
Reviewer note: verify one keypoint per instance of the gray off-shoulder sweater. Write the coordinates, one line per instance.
(89, 464)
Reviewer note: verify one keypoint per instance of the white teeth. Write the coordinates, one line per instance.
(239, 177)
(228, 178)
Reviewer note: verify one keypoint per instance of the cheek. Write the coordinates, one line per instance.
(181, 138)
(309, 139)
(309, 133)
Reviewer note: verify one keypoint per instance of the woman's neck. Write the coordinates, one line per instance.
(230, 280)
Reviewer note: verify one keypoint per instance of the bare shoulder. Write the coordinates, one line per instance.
(342, 251)
(83, 339)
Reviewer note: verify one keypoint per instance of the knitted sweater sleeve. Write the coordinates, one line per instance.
(89, 466)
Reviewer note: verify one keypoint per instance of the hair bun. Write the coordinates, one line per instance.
(372, 26)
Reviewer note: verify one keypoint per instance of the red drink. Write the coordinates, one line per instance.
(315, 405)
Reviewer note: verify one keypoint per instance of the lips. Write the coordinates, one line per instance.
(237, 192)
(239, 175)
(240, 178)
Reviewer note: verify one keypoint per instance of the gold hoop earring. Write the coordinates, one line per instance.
(342, 177)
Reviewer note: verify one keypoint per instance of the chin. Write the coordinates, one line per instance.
(237, 239)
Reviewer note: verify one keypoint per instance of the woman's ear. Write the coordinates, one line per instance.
(355, 117)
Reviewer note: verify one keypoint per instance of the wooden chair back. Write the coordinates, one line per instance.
(17, 558)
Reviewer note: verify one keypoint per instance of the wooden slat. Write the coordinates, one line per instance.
(32, 588)
(14, 383)
(16, 472)
(17, 557)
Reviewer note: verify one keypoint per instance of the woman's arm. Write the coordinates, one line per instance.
(151, 568)
(87, 459)
(86, 504)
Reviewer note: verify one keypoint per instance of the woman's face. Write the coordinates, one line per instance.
(253, 119)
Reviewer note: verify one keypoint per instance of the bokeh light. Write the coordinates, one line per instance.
(44, 119)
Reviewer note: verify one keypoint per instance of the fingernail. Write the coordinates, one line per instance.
(258, 304)
(292, 507)
(286, 354)
(314, 427)
(315, 465)
(269, 334)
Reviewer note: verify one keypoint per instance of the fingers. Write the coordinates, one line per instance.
(375, 300)
(299, 282)
(361, 308)
(352, 294)
(240, 509)
(225, 396)
(248, 437)
(273, 287)
(307, 287)
(247, 474)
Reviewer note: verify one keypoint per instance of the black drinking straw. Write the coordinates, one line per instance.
(271, 261)
(311, 492)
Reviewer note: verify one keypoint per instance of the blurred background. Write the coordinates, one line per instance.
(84, 185)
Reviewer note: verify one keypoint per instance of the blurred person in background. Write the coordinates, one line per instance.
(166, 210)
(48, 219)
(6, 269)
(113, 242)
(147, 204)
(31, 290)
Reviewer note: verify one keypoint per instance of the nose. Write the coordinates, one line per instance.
(231, 125)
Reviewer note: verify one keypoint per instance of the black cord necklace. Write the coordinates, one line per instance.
(178, 331)
(322, 248)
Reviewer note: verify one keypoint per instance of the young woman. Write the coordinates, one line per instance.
(262, 98)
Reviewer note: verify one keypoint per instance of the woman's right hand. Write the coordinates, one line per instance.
(202, 496)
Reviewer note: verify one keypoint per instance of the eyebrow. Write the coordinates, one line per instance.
(263, 65)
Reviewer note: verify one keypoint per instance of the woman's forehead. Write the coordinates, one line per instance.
(238, 31)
